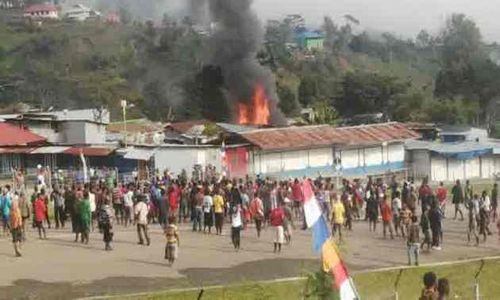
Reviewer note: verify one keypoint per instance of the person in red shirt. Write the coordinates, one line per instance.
(297, 197)
(173, 195)
(277, 218)
(387, 216)
(40, 214)
(257, 212)
(442, 195)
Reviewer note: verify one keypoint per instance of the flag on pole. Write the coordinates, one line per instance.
(332, 262)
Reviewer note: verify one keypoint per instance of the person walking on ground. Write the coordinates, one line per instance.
(425, 224)
(435, 224)
(236, 224)
(218, 211)
(387, 217)
(257, 212)
(494, 202)
(105, 220)
(59, 215)
(85, 214)
(473, 209)
(198, 209)
(288, 220)
(24, 206)
(45, 198)
(173, 241)
(16, 227)
(405, 219)
(128, 205)
(141, 216)
(338, 218)
(372, 212)
(208, 219)
(397, 205)
(117, 196)
(5, 206)
(413, 241)
(276, 219)
(484, 214)
(40, 212)
(442, 195)
(458, 199)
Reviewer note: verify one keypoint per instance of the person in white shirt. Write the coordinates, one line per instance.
(141, 216)
(236, 224)
(93, 207)
(396, 212)
(208, 220)
(128, 203)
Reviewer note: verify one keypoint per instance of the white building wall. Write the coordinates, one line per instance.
(439, 169)
(488, 167)
(455, 169)
(320, 157)
(472, 168)
(420, 160)
(177, 159)
(350, 159)
(295, 160)
(373, 156)
(396, 152)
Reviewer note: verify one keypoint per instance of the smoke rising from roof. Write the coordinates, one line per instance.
(236, 38)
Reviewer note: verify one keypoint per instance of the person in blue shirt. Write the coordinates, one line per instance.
(5, 205)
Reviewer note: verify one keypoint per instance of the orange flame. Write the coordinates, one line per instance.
(257, 112)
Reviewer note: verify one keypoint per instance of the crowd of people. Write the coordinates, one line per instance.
(405, 210)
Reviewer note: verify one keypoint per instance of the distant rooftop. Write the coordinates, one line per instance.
(90, 115)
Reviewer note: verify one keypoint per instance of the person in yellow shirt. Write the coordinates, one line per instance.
(219, 211)
(338, 217)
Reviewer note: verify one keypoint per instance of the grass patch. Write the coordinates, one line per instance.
(371, 285)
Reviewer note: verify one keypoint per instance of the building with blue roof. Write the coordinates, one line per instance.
(450, 161)
(310, 40)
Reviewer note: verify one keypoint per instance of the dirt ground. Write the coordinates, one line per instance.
(58, 268)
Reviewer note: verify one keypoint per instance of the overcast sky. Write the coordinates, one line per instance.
(403, 17)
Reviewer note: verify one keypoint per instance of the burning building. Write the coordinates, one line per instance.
(249, 88)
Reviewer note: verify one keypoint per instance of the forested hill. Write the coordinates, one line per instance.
(448, 78)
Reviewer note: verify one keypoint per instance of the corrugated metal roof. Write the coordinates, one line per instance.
(11, 135)
(184, 127)
(137, 154)
(232, 128)
(16, 150)
(449, 148)
(50, 150)
(324, 135)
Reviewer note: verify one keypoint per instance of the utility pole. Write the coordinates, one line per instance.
(123, 104)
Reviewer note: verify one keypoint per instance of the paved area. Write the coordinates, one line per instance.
(58, 268)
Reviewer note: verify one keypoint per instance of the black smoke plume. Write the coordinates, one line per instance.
(236, 37)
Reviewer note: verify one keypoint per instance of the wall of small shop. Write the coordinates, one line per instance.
(177, 159)
(449, 169)
(355, 161)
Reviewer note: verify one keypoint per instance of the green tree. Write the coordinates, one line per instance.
(364, 93)
(324, 113)
(288, 102)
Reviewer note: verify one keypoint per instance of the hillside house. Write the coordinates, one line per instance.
(41, 11)
(11, 4)
(79, 12)
(310, 40)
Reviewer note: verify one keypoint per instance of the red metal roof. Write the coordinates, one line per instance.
(40, 8)
(16, 150)
(11, 135)
(320, 136)
(90, 151)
